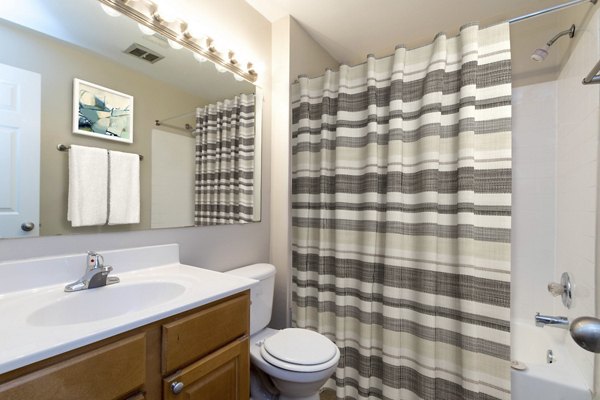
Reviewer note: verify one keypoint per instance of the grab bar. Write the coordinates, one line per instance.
(593, 76)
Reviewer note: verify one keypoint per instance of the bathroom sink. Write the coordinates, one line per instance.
(105, 302)
(38, 319)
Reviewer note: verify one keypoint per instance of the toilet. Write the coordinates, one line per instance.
(297, 361)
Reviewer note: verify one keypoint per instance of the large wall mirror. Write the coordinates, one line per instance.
(61, 64)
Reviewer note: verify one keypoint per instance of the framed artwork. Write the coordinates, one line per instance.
(102, 112)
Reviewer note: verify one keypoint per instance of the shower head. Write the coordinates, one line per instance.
(541, 53)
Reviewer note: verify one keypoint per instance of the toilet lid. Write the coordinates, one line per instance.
(300, 347)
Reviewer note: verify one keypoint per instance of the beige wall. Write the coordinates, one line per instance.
(294, 53)
(59, 63)
(217, 248)
(307, 57)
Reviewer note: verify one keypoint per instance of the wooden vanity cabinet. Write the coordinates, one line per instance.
(204, 352)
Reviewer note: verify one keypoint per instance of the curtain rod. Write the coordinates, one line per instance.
(187, 128)
(187, 114)
(550, 9)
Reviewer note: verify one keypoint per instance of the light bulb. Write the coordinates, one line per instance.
(202, 41)
(214, 46)
(257, 67)
(145, 30)
(199, 57)
(165, 15)
(109, 10)
(220, 68)
(174, 44)
(238, 78)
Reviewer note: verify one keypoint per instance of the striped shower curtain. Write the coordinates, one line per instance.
(401, 205)
(225, 162)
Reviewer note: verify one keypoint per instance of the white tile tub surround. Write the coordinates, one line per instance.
(27, 286)
(576, 183)
(560, 380)
(533, 224)
(556, 127)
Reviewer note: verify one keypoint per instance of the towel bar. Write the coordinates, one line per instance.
(62, 147)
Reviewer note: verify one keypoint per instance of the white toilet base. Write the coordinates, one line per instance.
(298, 391)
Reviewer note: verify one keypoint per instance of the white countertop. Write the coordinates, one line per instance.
(29, 334)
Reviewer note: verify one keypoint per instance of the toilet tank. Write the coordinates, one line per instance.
(261, 294)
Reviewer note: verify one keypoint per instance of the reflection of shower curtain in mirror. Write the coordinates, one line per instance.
(225, 162)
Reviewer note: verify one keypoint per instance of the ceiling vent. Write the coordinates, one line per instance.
(144, 53)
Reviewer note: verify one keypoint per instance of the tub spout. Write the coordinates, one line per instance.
(543, 320)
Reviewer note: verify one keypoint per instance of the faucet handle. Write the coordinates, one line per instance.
(94, 260)
(563, 289)
(556, 289)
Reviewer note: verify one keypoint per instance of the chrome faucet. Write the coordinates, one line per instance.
(543, 320)
(96, 274)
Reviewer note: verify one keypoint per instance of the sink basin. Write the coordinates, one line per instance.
(105, 302)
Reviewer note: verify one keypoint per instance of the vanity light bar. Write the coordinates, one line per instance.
(146, 13)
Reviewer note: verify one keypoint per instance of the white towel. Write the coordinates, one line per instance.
(88, 186)
(124, 188)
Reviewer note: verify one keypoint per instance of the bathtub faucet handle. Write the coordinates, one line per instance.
(556, 289)
(564, 289)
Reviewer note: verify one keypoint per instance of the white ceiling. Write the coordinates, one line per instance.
(347, 29)
(351, 29)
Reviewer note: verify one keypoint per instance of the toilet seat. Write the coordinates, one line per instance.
(299, 350)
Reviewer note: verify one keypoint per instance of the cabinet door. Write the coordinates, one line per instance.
(107, 373)
(222, 375)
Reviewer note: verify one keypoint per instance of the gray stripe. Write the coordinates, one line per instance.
(459, 285)
(315, 112)
(401, 377)
(437, 80)
(360, 254)
(456, 231)
(466, 178)
(476, 209)
(369, 317)
(385, 166)
(405, 136)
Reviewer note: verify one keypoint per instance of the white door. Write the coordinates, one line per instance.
(20, 105)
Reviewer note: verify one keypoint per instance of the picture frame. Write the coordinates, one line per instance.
(101, 112)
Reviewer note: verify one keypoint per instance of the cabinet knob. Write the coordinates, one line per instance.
(176, 387)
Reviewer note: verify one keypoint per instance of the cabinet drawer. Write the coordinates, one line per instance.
(222, 375)
(110, 372)
(192, 337)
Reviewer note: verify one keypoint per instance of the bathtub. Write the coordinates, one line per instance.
(559, 380)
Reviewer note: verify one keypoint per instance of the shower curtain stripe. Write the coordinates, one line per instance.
(401, 213)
